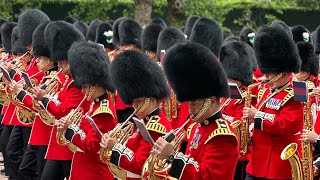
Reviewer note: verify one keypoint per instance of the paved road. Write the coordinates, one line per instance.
(2, 177)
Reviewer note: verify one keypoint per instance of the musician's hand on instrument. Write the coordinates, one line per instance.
(315, 170)
(15, 87)
(249, 112)
(308, 135)
(8, 66)
(107, 142)
(316, 89)
(162, 148)
(39, 93)
(63, 124)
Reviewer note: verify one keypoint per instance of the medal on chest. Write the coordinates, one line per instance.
(196, 139)
(274, 103)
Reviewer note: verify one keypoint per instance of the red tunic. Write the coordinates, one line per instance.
(277, 122)
(32, 70)
(41, 132)
(212, 152)
(86, 163)
(137, 148)
(68, 99)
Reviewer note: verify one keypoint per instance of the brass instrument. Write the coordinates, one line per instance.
(74, 116)
(51, 87)
(241, 127)
(155, 168)
(302, 168)
(122, 133)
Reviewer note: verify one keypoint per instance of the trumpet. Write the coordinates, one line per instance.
(74, 116)
(121, 132)
(155, 168)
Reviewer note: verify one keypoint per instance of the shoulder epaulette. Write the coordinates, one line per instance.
(288, 96)
(190, 129)
(261, 92)
(154, 125)
(103, 108)
(243, 94)
(223, 129)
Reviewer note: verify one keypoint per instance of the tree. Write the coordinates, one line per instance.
(143, 10)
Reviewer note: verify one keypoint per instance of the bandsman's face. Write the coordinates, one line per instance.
(195, 106)
(42, 62)
(65, 66)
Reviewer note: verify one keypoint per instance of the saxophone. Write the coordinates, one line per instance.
(241, 127)
(74, 116)
(302, 168)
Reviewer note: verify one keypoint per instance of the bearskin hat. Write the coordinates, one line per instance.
(82, 27)
(101, 37)
(244, 35)
(194, 72)
(317, 40)
(116, 38)
(169, 37)
(6, 30)
(227, 34)
(136, 75)
(159, 21)
(189, 25)
(150, 36)
(231, 38)
(59, 36)
(92, 30)
(283, 26)
(300, 33)
(237, 61)
(276, 52)
(28, 21)
(89, 64)
(39, 46)
(310, 61)
(70, 19)
(208, 33)
(16, 44)
(130, 32)
(1, 22)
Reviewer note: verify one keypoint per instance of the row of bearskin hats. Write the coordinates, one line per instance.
(196, 63)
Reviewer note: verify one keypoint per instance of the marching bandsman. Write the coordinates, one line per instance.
(104, 36)
(129, 33)
(6, 31)
(209, 33)
(22, 117)
(300, 33)
(94, 80)
(197, 77)
(43, 124)
(189, 25)
(144, 88)
(237, 60)
(247, 35)
(2, 21)
(277, 116)
(149, 40)
(92, 29)
(59, 37)
(82, 27)
(167, 38)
